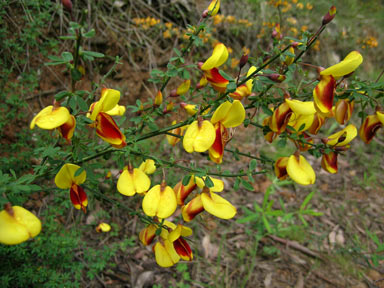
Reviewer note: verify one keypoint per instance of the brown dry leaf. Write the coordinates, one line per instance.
(268, 280)
(210, 250)
(145, 279)
(300, 281)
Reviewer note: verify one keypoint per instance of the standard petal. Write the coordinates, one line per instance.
(343, 110)
(148, 166)
(19, 227)
(300, 170)
(300, 107)
(66, 176)
(214, 7)
(218, 185)
(109, 99)
(50, 118)
(345, 67)
(380, 116)
(118, 110)
(160, 201)
(301, 122)
(183, 87)
(199, 138)
(221, 112)
(217, 206)
(249, 83)
(219, 56)
(125, 183)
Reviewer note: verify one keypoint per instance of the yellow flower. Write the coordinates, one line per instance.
(300, 170)
(50, 118)
(199, 136)
(214, 7)
(160, 201)
(103, 227)
(148, 166)
(17, 225)
(219, 56)
(132, 181)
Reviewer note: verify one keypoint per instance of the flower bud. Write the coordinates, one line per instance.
(329, 16)
(158, 98)
(243, 60)
(67, 4)
(276, 77)
(205, 13)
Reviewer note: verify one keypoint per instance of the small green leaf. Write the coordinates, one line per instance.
(93, 54)
(208, 182)
(79, 171)
(237, 184)
(247, 185)
(231, 87)
(67, 56)
(186, 180)
(61, 95)
(91, 33)
(252, 165)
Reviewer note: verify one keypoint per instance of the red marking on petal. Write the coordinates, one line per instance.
(78, 197)
(183, 249)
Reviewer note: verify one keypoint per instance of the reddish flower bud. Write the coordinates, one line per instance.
(173, 93)
(243, 60)
(67, 4)
(329, 16)
(205, 13)
(276, 77)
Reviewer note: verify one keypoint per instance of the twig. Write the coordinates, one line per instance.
(295, 245)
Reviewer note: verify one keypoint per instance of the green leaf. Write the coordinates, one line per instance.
(186, 180)
(247, 185)
(252, 165)
(93, 54)
(231, 87)
(178, 53)
(76, 74)
(79, 171)
(61, 95)
(248, 218)
(208, 182)
(226, 76)
(266, 224)
(306, 200)
(91, 33)
(67, 56)
(237, 184)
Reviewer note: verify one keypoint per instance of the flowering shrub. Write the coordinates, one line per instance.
(216, 103)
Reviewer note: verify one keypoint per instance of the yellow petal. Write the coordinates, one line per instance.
(148, 234)
(218, 185)
(229, 114)
(148, 166)
(300, 170)
(160, 202)
(219, 56)
(19, 227)
(50, 118)
(118, 110)
(300, 107)
(66, 176)
(380, 116)
(109, 99)
(214, 7)
(249, 83)
(343, 137)
(165, 254)
(199, 139)
(301, 122)
(183, 87)
(192, 208)
(218, 206)
(131, 183)
(348, 65)
(103, 227)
